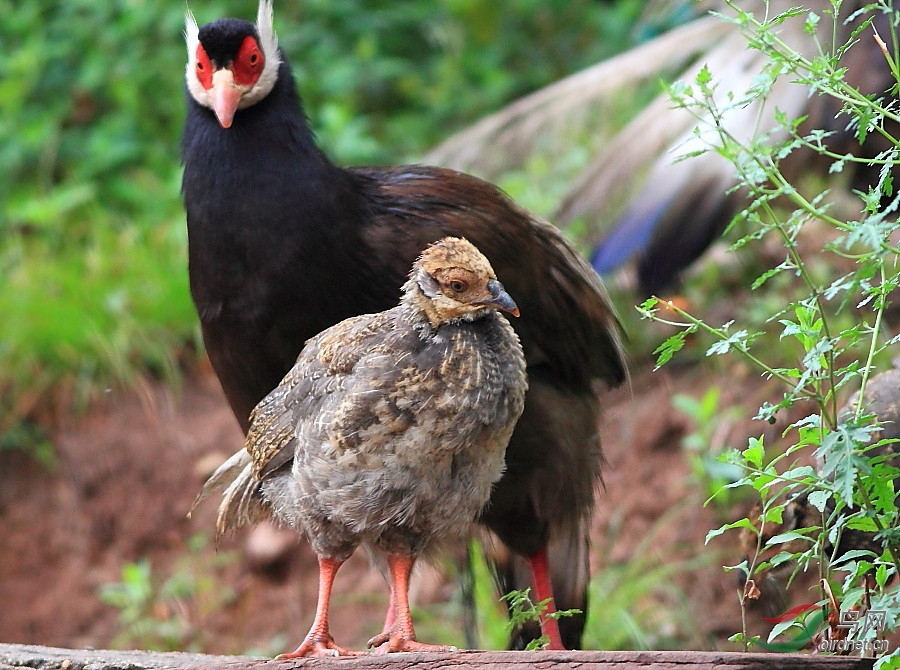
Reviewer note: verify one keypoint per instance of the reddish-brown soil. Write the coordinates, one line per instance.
(127, 472)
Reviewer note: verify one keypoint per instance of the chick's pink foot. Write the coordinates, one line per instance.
(393, 641)
(318, 641)
(399, 634)
(319, 645)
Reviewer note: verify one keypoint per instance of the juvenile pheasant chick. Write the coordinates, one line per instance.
(388, 433)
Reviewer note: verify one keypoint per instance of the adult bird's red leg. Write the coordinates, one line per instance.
(400, 635)
(540, 577)
(318, 641)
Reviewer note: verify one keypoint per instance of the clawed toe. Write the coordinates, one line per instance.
(319, 647)
(378, 640)
(384, 643)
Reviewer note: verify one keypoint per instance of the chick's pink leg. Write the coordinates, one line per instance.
(400, 634)
(318, 641)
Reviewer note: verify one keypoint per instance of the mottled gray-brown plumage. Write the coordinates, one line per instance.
(389, 431)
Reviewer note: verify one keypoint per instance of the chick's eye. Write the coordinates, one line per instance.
(458, 286)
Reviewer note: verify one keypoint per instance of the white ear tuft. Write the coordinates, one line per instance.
(265, 27)
(191, 33)
(192, 38)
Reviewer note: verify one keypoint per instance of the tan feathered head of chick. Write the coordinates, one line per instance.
(452, 280)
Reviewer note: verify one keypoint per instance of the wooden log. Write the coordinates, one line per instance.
(55, 658)
(51, 658)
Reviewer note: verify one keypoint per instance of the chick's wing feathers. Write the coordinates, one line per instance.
(319, 371)
(363, 384)
(567, 321)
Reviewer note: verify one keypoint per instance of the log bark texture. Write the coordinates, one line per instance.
(14, 656)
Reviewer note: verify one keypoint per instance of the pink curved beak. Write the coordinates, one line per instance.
(225, 96)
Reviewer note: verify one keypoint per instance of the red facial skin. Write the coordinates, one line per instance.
(242, 74)
(248, 64)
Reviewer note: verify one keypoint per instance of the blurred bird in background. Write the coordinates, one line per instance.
(282, 244)
(643, 209)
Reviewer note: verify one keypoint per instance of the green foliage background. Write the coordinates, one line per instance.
(93, 285)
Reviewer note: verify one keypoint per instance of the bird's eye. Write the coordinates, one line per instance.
(204, 68)
(458, 286)
(248, 62)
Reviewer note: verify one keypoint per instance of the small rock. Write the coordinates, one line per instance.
(269, 546)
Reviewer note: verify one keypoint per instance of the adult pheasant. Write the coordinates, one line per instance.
(283, 243)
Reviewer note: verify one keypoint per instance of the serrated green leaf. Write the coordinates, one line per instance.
(774, 514)
(799, 473)
(819, 499)
(854, 555)
(781, 538)
(862, 523)
(740, 523)
(881, 575)
(704, 76)
(754, 453)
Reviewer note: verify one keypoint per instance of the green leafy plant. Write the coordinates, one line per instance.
(144, 615)
(167, 614)
(522, 609)
(829, 318)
